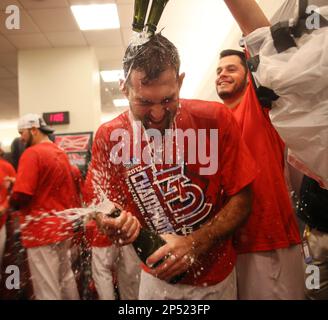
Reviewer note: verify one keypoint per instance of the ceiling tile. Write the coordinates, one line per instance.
(6, 46)
(5, 3)
(124, 1)
(109, 53)
(13, 69)
(103, 37)
(9, 85)
(127, 36)
(8, 59)
(54, 20)
(66, 39)
(30, 41)
(125, 12)
(26, 24)
(32, 4)
(4, 73)
(86, 2)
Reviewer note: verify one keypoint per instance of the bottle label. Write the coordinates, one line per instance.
(305, 246)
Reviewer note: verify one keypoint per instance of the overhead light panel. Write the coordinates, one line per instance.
(112, 75)
(96, 16)
(121, 103)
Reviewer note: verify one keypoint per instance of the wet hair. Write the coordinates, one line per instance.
(153, 57)
(240, 54)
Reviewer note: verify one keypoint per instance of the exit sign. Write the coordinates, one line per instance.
(52, 118)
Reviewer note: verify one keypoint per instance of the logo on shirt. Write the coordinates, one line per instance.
(167, 198)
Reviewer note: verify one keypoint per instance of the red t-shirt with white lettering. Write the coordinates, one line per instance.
(45, 174)
(6, 170)
(176, 196)
(272, 223)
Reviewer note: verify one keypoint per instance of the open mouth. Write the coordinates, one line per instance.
(158, 122)
(151, 120)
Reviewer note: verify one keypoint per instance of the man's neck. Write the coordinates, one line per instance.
(232, 103)
(42, 139)
(235, 100)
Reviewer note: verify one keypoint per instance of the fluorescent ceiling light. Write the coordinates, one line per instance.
(121, 103)
(112, 75)
(96, 16)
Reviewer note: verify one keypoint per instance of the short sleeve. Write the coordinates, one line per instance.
(28, 173)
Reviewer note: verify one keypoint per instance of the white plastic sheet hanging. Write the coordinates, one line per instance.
(299, 76)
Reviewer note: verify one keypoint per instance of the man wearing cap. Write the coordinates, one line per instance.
(44, 186)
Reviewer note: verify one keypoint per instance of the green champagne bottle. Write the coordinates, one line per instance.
(139, 17)
(146, 244)
(156, 10)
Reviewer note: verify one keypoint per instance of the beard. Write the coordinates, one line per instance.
(235, 92)
(29, 141)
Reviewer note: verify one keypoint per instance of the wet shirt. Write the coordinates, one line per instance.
(272, 223)
(45, 174)
(181, 192)
(6, 170)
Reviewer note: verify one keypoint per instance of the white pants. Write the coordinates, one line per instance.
(128, 273)
(51, 272)
(103, 260)
(126, 264)
(2, 244)
(152, 288)
(271, 275)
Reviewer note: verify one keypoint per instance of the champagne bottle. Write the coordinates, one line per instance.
(157, 8)
(146, 244)
(139, 17)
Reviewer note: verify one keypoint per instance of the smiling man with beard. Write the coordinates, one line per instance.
(269, 262)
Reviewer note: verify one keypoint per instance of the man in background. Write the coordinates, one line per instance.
(269, 262)
(44, 186)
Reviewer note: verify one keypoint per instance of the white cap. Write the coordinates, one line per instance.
(32, 120)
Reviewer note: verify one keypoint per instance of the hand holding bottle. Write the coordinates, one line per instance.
(122, 230)
(178, 255)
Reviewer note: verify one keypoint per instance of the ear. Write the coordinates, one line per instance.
(123, 87)
(34, 131)
(180, 80)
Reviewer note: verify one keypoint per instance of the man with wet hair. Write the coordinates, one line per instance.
(141, 162)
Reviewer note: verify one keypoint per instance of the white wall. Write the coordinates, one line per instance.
(67, 79)
(206, 89)
(8, 132)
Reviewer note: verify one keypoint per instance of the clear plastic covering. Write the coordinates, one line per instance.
(299, 76)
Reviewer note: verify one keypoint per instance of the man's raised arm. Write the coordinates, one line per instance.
(248, 15)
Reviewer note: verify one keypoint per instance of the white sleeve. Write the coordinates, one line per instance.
(299, 76)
